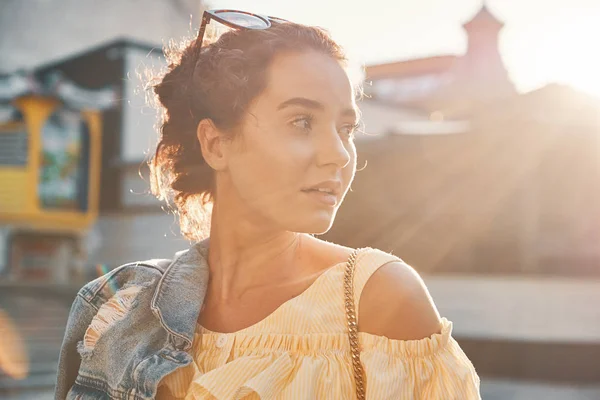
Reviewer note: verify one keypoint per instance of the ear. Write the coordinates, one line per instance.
(212, 144)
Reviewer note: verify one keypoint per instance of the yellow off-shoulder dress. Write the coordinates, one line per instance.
(301, 351)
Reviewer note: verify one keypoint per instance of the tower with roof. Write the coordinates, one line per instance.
(449, 84)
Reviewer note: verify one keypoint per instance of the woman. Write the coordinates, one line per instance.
(259, 125)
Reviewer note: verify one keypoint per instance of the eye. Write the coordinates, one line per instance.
(303, 123)
(349, 129)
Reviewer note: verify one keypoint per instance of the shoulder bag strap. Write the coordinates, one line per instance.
(352, 325)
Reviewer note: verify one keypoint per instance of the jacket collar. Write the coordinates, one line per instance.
(180, 293)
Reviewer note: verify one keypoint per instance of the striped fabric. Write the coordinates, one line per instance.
(301, 351)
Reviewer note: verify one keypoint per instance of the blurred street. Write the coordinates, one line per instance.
(39, 314)
(42, 394)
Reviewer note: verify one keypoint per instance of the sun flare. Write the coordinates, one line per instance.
(566, 52)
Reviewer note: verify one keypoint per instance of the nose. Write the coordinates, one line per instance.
(332, 149)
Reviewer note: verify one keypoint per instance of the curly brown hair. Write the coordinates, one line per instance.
(217, 82)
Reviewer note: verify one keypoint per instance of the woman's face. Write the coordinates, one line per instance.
(294, 158)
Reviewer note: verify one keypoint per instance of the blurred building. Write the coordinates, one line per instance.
(120, 219)
(39, 55)
(448, 85)
(495, 199)
(50, 136)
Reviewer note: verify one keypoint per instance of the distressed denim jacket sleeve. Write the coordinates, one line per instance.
(131, 327)
(80, 317)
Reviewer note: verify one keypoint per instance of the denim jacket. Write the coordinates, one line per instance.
(131, 327)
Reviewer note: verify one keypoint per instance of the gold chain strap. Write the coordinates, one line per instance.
(352, 325)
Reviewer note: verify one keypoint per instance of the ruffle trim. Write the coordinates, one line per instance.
(409, 348)
(278, 371)
(310, 344)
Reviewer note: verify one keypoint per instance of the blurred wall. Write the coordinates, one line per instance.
(34, 32)
(120, 238)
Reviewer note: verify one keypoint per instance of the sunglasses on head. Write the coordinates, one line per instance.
(237, 20)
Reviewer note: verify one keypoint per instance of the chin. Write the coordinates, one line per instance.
(317, 223)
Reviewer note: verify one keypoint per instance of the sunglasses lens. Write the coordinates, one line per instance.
(244, 20)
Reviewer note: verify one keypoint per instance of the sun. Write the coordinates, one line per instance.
(565, 51)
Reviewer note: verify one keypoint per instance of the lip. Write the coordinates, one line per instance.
(325, 198)
(328, 199)
(332, 185)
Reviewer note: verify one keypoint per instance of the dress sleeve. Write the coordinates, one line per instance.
(430, 368)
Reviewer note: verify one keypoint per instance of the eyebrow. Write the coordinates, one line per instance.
(313, 104)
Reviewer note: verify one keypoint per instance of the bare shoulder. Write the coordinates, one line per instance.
(327, 253)
(395, 303)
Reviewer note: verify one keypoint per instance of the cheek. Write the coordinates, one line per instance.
(285, 157)
(269, 168)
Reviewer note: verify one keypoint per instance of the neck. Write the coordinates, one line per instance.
(245, 254)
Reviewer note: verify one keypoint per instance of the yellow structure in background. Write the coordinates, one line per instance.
(20, 200)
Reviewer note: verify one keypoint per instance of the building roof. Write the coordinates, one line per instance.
(435, 64)
(419, 66)
(116, 43)
(78, 80)
(483, 17)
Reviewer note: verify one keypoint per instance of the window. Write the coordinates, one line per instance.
(13, 138)
(64, 169)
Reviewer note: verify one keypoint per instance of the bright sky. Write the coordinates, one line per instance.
(542, 41)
